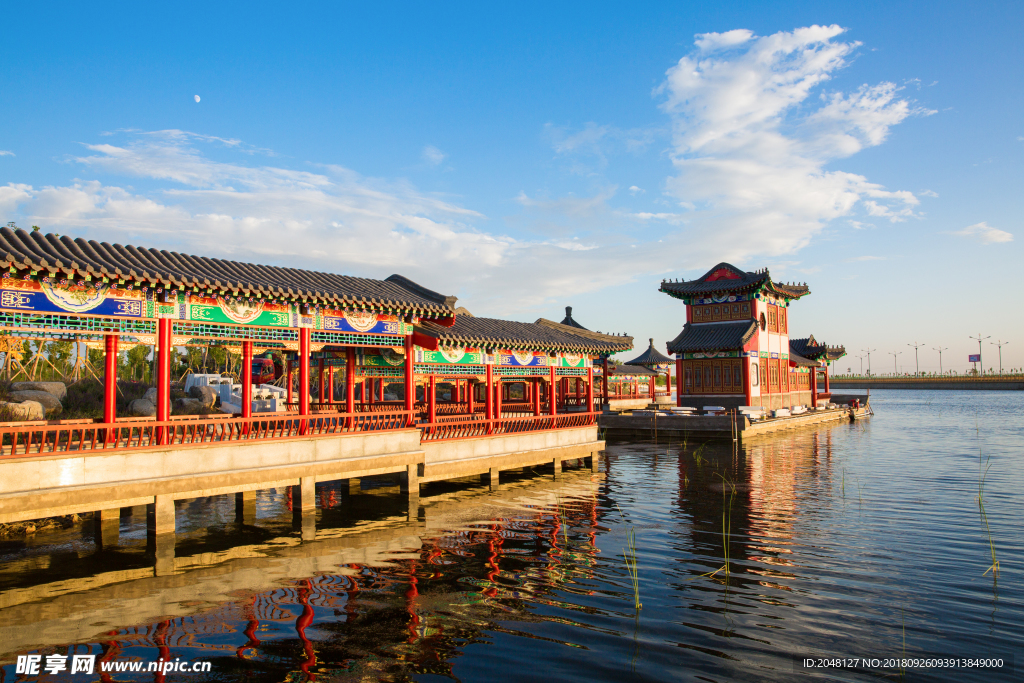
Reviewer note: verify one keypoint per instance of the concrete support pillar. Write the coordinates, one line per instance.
(493, 478)
(354, 486)
(160, 516)
(107, 527)
(411, 481)
(558, 467)
(304, 507)
(245, 508)
(595, 462)
(160, 549)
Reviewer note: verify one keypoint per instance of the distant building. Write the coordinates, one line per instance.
(735, 349)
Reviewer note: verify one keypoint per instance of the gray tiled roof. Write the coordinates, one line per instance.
(800, 361)
(543, 335)
(713, 336)
(626, 370)
(736, 280)
(36, 251)
(650, 357)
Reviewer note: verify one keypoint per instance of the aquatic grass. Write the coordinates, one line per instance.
(726, 529)
(629, 554)
(982, 476)
(564, 520)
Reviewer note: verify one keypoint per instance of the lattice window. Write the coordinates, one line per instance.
(571, 372)
(374, 371)
(354, 339)
(449, 370)
(215, 331)
(521, 372)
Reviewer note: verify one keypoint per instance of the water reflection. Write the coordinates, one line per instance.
(845, 539)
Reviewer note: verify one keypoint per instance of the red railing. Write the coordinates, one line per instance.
(40, 438)
(472, 426)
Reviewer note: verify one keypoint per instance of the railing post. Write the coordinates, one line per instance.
(110, 383)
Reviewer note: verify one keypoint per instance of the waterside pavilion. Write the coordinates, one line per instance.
(734, 349)
(492, 394)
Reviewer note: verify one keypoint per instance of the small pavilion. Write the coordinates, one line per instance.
(657, 362)
(817, 356)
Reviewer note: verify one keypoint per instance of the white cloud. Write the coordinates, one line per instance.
(432, 155)
(984, 233)
(634, 190)
(750, 148)
(6, 153)
(928, 193)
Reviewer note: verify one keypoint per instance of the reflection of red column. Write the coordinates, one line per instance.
(165, 652)
(251, 627)
(410, 604)
(304, 620)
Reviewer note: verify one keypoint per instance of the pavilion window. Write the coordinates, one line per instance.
(718, 375)
(689, 378)
(707, 376)
(727, 375)
(697, 375)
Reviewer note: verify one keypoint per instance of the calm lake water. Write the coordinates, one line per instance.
(855, 540)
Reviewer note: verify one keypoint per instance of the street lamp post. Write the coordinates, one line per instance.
(868, 352)
(917, 366)
(895, 368)
(940, 350)
(980, 361)
(861, 364)
(1000, 344)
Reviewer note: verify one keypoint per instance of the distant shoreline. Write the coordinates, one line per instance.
(1011, 383)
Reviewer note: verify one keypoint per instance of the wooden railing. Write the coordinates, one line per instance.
(473, 426)
(41, 438)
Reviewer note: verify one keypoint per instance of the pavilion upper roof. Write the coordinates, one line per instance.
(568, 320)
(713, 337)
(543, 335)
(810, 347)
(157, 267)
(650, 357)
(726, 277)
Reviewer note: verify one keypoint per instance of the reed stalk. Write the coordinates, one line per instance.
(629, 554)
(982, 476)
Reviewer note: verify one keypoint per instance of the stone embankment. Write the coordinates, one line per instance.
(995, 383)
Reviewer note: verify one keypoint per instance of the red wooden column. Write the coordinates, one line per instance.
(469, 397)
(489, 398)
(668, 382)
(499, 386)
(827, 389)
(814, 388)
(535, 396)
(304, 339)
(604, 380)
(320, 380)
(432, 400)
(163, 376)
(747, 388)
(291, 392)
(653, 385)
(350, 385)
(330, 384)
(552, 396)
(590, 388)
(679, 382)
(110, 379)
(410, 379)
(247, 379)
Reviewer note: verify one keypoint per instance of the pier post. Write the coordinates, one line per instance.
(304, 507)
(107, 527)
(411, 480)
(354, 486)
(160, 536)
(595, 461)
(558, 468)
(493, 478)
(245, 508)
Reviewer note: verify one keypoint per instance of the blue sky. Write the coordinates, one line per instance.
(532, 157)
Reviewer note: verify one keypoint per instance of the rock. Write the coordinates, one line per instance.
(58, 389)
(50, 403)
(22, 412)
(140, 407)
(150, 395)
(188, 403)
(205, 395)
